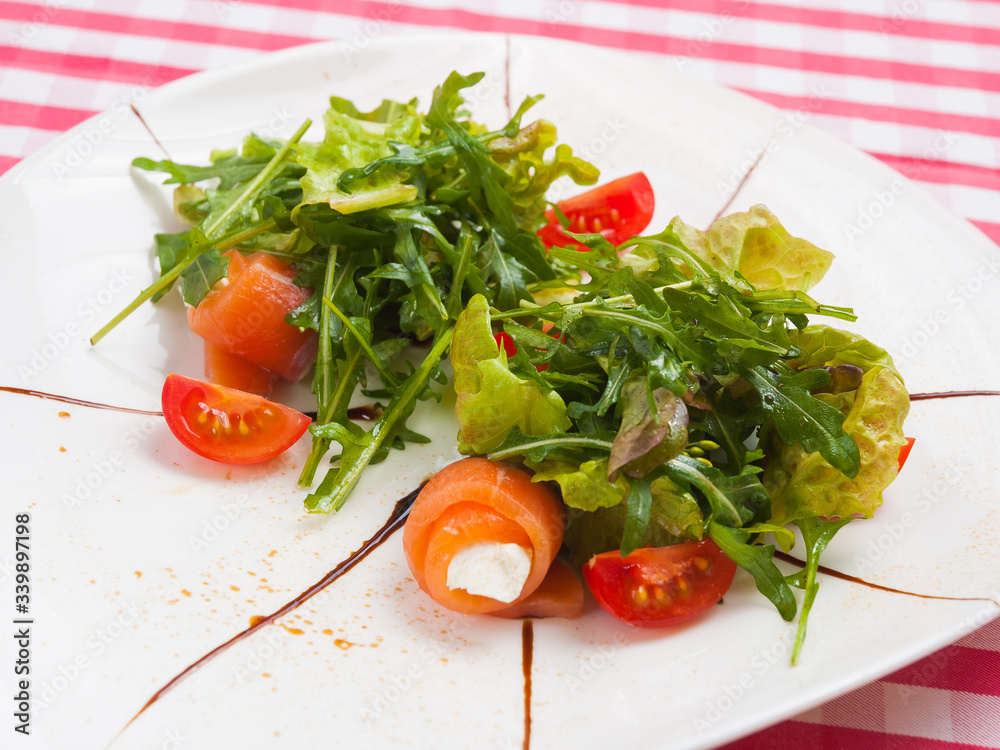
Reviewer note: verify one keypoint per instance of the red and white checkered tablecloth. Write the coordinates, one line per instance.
(916, 83)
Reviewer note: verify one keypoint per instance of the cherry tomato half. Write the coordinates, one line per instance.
(228, 425)
(660, 586)
(904, 452)
(619, 210)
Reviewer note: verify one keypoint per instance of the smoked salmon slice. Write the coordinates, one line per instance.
(244, 315)
(559, 595)
(223, 368)
(473, 501)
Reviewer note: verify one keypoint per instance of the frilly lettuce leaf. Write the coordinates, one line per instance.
(584, 486)
(490, 399)
(354, 139)
(803, 485)
(523, 159)
(674, 517)
(755, 244)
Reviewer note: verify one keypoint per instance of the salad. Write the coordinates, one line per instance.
(653, 408)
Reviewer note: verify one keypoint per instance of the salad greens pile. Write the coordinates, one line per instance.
(394, 220)
(673, 387)
(640, 395)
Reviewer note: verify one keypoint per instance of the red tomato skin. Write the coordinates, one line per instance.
(629, 198)
(273, 428)
(245, 316)
(677, 582)
(904, 452)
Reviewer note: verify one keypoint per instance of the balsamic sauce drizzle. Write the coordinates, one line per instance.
(950, 394)
(393, 524)
(862, 582)
(395, 521)
(78, 401)
(527, 654)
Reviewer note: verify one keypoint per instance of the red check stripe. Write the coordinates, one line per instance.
(943, 172)
(797, 735)
(969, 670)
(832, 19)
(133, 26)
(661, 43)
(86, 66)
(988, 126)
(40, 116)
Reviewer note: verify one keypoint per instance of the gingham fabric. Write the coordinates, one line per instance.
(916, 83)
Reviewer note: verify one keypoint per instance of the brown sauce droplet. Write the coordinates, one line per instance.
(392, 524)
(342, 644)
(527, 655)
(878, 587)
(76, 401)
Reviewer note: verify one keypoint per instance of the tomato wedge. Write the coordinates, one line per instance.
(619, 210)
(227, 425)
(660, 586)
(904, 452)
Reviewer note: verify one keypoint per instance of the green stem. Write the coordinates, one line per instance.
(324, 357)
(466, 242)
(334, 497)
(226, 242)
(264, 176)
(569, 441)
(388, 379)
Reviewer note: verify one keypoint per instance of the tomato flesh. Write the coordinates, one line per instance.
(619, 210)
(227, 425)
(653, 587)
(244, 315)
(904, 452)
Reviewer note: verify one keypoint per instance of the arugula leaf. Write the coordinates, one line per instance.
(203, 272)
(637, 510)
(757, 561)
(817, 534)
(801, 418)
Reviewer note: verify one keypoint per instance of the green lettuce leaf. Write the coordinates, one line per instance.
(352, 142)
(584, 486)
(490, 399)
(755, 244)
(645, 440)
(803, 485)
(523, 158)
(674, 517)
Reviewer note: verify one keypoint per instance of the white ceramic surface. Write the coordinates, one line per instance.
(165, 555)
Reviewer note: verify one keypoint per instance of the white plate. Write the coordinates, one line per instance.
(131, 582)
